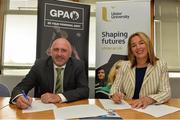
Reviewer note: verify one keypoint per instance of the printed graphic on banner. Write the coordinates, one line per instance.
(59, 16)
(117, 21)
(63, 19)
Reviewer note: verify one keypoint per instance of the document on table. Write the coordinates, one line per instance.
(37, 106)
(78, 111)
(158, 110)
(109, 104)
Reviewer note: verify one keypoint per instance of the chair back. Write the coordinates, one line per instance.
(4, 91)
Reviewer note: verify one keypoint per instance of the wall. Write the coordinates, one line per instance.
(11, 82)
(175, 82)
(167, 32)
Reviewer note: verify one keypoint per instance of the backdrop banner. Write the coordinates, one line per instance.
(117, 20)
(67, 19)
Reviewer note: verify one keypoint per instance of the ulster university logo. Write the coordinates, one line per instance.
(113, 14)
(105, 14)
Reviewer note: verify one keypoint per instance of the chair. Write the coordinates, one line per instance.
(4, 91)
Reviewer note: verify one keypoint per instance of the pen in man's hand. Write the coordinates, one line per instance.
(25, 96)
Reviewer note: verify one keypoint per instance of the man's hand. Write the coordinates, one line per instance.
(117, 97)
(50, 98)
(143, 102)
(22, 102)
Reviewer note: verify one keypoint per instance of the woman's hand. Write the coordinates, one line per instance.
(117, 97)
(143, 102)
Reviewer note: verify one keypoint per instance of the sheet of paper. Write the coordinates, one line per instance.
(37, 106)
(158, 110)
(112, 115)
(109, 104)
(78, 111)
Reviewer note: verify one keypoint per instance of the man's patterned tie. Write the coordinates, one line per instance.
(58, 80)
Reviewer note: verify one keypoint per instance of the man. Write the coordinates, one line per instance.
(42, 76)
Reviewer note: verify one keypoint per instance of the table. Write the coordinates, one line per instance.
(12, 112)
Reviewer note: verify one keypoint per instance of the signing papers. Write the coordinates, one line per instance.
(154, 110)
(78, 111)
(109, 104)
(158, 110)
(38, 106)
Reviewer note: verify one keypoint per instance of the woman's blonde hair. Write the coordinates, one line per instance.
(112, 72)
(151, 56)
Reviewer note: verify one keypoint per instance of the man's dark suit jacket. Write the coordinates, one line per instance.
(41, 76)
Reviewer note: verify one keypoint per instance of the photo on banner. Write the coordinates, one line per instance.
(117, 20)
(66, 19)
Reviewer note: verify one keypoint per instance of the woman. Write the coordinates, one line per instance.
(100, 83)
(143, 77)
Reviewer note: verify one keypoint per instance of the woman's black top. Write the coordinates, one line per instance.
(140, 72)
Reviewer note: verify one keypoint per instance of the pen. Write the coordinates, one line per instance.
(25, 96)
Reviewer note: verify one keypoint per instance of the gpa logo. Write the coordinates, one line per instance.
(74, 15)
(63, 13)
(62, 16)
